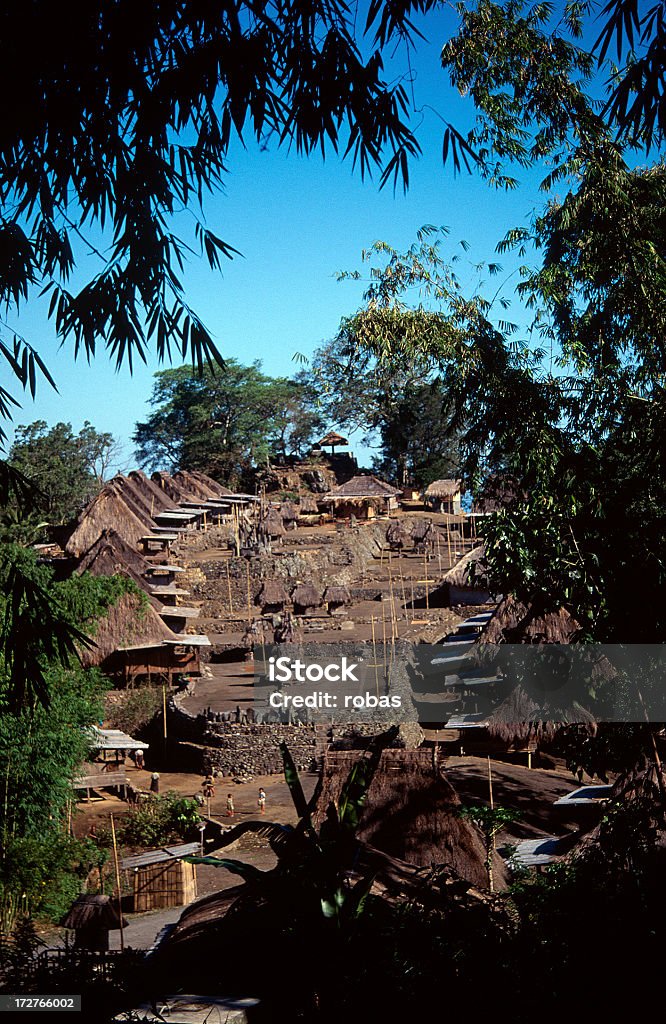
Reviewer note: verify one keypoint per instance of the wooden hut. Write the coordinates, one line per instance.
(107, 511)
(289, 514)
(161, 879)
(412, 813)
(444, 496)
(335, 599)
(333, 441)
(272, 597)
(91, 918)
(132, 642)
(305, 597)
(362, 496)
(307, 504)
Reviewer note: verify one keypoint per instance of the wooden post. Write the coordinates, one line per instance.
(249, 605)
(448, 541)
(117, 867)
(425, 574)
(374, 653)
(384, 635)
(490, 786)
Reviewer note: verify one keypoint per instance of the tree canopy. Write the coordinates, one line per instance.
(226, 422)
(66, 469)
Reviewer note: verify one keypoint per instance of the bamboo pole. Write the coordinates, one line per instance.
(490, 785)
(439, 554)
(448, 541)
(384, 635)
(249, 605)
(117, 867)
(425, 576)
(374, 653)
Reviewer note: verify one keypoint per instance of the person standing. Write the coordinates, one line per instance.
(261, 802)
(230, 806)
(155, 783)
(138, 758)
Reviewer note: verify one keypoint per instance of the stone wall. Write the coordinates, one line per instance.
(232, 748)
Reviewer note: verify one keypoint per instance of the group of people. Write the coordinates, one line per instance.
(261, 803)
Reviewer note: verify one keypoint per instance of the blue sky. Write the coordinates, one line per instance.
(297, 221)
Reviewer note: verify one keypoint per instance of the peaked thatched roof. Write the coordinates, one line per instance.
(337, 595)
(443, 489)
(107, 511)
(133, 498)
(172, 487)
(289, 512)
(219, 491)
(307, 504)
(126, 557)
(130, 622)
(518, 623)
(156, 499)
(306, 595)
(459, 575)
(190, 484)
(271, 593)
(332, 439)
(272, 523)
(90, 911)
(412, 812)
(365, 486)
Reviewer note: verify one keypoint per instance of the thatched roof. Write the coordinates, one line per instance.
(130, 622)
(133, 498)
(307, 504)
(94, 912)
(107, 511)
(459, 575)
(332, 439)
(289, 512)
(412, 812)
(272, 523)
(365, 486)
(110, 556)
(172, 487)
(337, 595)
(443, 489)
(126, 557)
(192, 485)
(219, 491)
(519, 720)
(518, 623)
(306, 595)
(272, 592)
(155, 497)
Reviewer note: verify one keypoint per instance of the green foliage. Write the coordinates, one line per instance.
(159, 820)
(137, 708)
(227, 421)
(66, 469)
(115, 149)
(42, 874)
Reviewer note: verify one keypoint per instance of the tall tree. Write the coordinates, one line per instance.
(65, 468)
(225, 422)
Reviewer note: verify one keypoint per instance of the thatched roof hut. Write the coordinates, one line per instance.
(157, 499)
(412, 812)
(219, 490)
(92, 918)
(306, 595)
(335, 598)
(362, 495)
(172, 487)
(272, 524)
(517, 623)
(307, 504)
(272, 595)
(133, 498)
(107, 511)
(289, 514)
(332, 440)
(190, 484)
(130, 622)
(443, 489)
(110, 556)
